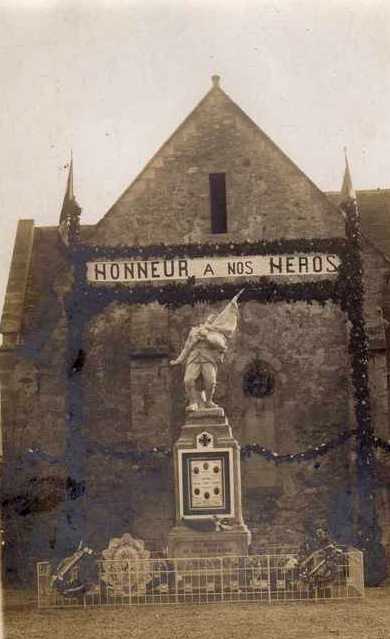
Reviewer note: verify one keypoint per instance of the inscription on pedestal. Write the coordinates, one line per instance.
(199, 549)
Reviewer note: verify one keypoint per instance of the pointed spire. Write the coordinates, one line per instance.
(69, 224)
(69, 186)
(69, 192)
(347, 193)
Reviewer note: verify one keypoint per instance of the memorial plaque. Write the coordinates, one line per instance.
(206, 484)
(206, 480)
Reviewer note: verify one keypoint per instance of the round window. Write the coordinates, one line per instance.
(258, 380)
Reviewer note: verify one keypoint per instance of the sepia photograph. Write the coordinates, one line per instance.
(195, 319)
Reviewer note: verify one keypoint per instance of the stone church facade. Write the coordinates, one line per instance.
(86, 376)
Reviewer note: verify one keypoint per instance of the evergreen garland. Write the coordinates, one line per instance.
(83, 252)
(143, 456)
(369, 532)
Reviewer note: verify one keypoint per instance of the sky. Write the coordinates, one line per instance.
(111, 80)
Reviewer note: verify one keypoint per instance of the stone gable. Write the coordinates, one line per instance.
(268, 197)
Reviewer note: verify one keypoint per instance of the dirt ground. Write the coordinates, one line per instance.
(368, 618)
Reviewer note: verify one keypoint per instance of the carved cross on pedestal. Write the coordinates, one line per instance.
(205, 439)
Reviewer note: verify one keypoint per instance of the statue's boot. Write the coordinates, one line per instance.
(194, 399)
(209, 394)
(211, 404)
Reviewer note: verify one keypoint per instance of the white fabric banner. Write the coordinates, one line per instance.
(200, 268)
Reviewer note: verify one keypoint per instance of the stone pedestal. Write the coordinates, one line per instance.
(207, 489)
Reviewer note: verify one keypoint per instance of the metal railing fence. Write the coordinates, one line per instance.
(254, 578)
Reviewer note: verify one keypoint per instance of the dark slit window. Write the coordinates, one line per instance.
(218, 203)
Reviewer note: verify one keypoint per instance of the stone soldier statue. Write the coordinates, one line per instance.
(204, 349)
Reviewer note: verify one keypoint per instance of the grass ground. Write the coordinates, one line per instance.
(368, 618)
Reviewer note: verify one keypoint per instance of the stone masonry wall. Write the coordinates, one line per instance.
(141, 398)
(304, 346)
